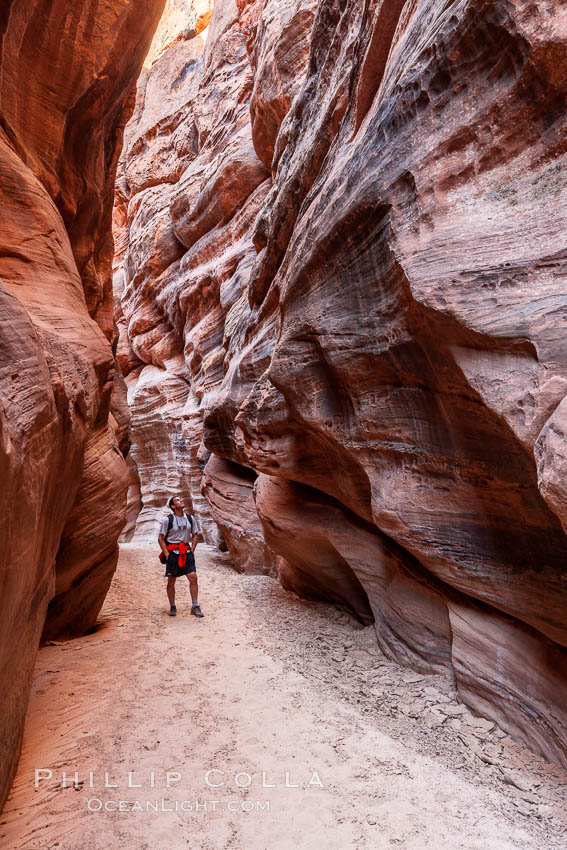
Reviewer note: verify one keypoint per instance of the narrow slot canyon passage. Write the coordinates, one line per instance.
(266, 684)
(300, 265)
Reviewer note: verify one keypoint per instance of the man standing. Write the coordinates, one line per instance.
(178, 538)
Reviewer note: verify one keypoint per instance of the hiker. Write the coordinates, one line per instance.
(178, 538)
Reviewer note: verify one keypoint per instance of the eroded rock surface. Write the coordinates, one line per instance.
(347, 222)
(66, 76)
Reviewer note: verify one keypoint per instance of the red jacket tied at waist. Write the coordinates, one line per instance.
(183, 549)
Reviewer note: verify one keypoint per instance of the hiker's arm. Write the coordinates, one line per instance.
(194, 542)
(163, 547)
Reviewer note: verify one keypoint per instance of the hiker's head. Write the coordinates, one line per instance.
(176, 502)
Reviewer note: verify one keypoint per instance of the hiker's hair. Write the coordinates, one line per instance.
(170, 503)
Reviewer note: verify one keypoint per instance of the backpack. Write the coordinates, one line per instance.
(189, 517)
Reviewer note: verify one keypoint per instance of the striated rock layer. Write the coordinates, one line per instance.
(345, 234)
(66, 75)
(189, 188)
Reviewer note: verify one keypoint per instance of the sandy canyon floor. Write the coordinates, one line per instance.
(265, 685)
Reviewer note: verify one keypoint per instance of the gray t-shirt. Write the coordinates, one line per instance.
(182, 530)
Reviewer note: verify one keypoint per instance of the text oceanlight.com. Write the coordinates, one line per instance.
(95, 804)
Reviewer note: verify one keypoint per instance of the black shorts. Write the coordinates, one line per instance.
(172, 570)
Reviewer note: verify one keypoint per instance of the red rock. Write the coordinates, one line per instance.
(187, 206)
(181, 19)
(134, 501)
(278, 41)
(228, 489)
(330, 553)
(159, 454)
(509, 672)
(375, 326)
(66, 73)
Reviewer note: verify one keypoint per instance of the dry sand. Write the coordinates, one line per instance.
(265, 684)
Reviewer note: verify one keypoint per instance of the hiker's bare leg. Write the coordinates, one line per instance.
(193, 587)
(171, 590)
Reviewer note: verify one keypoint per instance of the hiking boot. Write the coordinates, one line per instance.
(172, 611)
(196, 611)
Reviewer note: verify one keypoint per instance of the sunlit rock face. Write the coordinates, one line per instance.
(180, 21)
(66, 77)
(348, 221)
(189, 189)
(161, 141)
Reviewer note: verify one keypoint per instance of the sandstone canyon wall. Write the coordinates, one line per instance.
(66, 77)
(342, 302)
